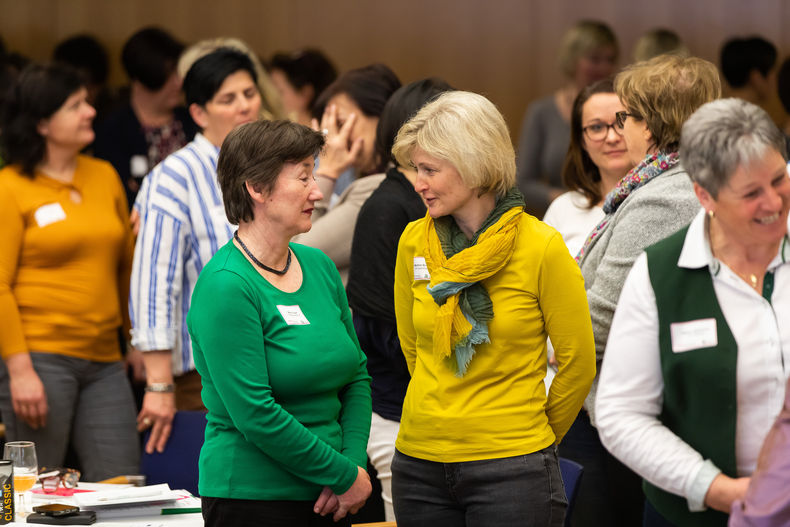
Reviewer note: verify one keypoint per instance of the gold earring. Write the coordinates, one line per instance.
(711, 214)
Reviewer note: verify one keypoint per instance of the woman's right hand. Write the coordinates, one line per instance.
(337, 155)
(724, 490)
(354, 498)
(27, 391)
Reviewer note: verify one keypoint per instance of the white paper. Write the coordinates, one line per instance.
(695, 334)
(293, 315)
(421, 269)
(50, 213)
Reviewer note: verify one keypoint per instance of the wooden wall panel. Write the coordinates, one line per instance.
(505, 49)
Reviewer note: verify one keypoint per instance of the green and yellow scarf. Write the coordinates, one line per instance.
(457, 265)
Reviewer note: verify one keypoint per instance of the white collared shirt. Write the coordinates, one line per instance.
(182, 225)
(630, 392)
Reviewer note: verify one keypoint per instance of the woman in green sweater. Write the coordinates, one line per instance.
(284, 379)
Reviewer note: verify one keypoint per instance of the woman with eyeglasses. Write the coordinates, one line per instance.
(597, 160)
(654, 200)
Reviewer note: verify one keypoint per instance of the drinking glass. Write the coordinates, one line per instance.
(23, 456)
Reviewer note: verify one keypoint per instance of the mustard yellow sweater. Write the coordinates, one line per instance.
(64, 265)
(499, 408)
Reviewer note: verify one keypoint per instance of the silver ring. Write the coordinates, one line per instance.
(325, 131)
(146, 421)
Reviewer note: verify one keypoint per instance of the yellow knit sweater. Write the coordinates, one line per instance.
(499, 408)
(65, 261)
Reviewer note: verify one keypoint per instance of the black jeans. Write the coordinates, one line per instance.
(225, 512)
(520, 490)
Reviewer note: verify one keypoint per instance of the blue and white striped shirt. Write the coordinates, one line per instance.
(182, 225)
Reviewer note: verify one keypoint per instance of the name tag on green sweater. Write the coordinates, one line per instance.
(293, 315)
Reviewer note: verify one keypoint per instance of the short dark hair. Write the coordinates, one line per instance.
(205, 77)
(369, 87)
(306, 67)
(578, 171)
(739, 56)
(150, 57)
(84, 53)
(783, 84)
(256, 152)
(402, 106)
(38, 92)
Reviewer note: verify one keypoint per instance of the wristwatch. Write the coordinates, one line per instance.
(160, 387)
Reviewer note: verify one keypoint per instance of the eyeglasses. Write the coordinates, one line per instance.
(599, 131)
(621, 116)
(52, 478)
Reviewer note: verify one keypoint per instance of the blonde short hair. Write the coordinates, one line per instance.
(467, 130)
(584, 38)
(664, 91)
(271, 105)
(657, 42)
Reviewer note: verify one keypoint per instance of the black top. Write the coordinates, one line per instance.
(120, 136)
(371, 280)
(382, 218)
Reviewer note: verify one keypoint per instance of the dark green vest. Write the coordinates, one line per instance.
(700, 404)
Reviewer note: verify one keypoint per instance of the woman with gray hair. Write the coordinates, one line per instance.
(694, 375)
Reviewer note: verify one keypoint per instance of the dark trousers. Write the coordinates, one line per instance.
(609, 494)
(90, 406)
(653, 518)
(522, 490)
(226, 512)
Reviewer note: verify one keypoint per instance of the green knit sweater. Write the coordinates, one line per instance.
(288, 404)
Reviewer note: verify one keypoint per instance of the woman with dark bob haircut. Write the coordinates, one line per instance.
(284, 379)
(65, 259)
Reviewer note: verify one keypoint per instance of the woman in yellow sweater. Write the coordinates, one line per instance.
(479, 285)
(65, 259)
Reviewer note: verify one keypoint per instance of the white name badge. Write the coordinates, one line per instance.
(293, 315)
(47, 214)
(421, 269)
(692, 335)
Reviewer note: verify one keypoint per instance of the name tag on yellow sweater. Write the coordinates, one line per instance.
(50, 213)
(421, 269)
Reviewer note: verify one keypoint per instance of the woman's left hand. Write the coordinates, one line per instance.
(339, 153)
(724, 490)
(327, 502)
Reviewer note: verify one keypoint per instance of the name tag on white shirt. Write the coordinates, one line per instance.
(421, 269)
(692, 335)
(293, 315)
(47, 214)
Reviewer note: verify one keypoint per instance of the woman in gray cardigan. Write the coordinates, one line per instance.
(652, 201)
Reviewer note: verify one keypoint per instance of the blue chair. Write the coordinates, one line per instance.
(571, 474)
(178, 464)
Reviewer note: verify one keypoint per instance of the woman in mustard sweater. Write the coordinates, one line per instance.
(479, 285)
(65, 260)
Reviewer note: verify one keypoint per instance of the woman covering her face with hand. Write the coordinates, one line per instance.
(351, 108)
(284, 379)
(479, 285)
(695, 367)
